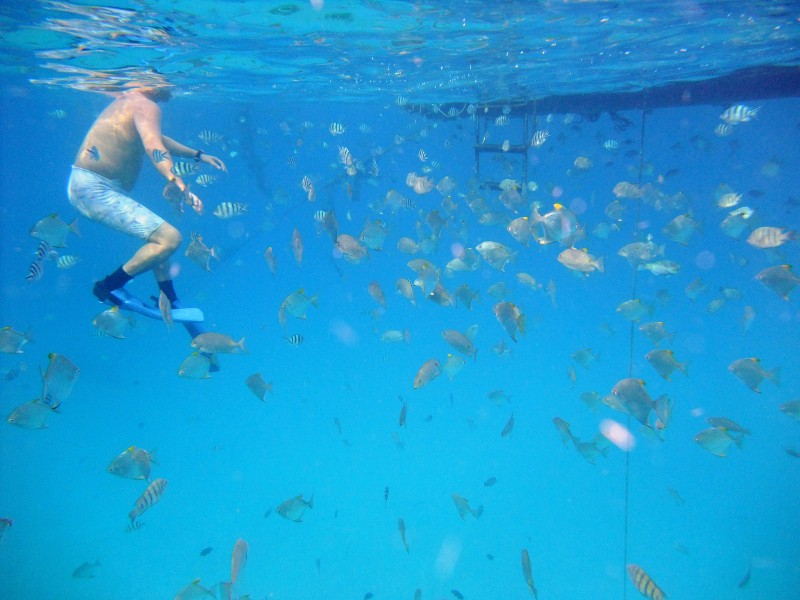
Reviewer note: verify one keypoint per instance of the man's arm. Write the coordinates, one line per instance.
(178, 149)
(147, 119)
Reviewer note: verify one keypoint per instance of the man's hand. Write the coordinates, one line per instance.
(176, 196)
(214, 162)
(193, 201)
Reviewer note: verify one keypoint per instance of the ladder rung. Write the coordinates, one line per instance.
(514, 149)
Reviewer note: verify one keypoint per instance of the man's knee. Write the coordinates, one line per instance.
(169, 237)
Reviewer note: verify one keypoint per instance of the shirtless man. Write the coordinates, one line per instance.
(105, 170)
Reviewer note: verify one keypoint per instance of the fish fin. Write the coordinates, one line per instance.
(73, 227)
(240, 344)
(599, 264)
(775, 375)
(311, 501)
(153, 456)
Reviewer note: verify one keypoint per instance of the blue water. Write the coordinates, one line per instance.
(231, 458)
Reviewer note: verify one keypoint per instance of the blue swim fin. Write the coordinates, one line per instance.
(127, 301)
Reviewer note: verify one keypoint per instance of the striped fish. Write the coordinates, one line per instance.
(501, 120)
(67, 261)
(336, 128)
(294, 340)
(205, 179)
(422, 155)
(228, 210)
(182, 168)
(43, 252)
(159, 155)
(150, 496)
(35, 271)
(644, 583)
(539, 138)
(739, 114)
(209, 137)
(307, 184)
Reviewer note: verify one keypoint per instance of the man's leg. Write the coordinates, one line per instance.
(158, 248)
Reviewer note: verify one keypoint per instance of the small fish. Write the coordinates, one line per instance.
(182, 168)
(462, 505)
(490, 482)
(770, 237)
(210, 137)
(269, 258)
(31, 415)
(93, 152)
(295, 339)
(336, 128)
(664, 362)
(427, 372)
(58, 380)
(715, 440)
(87, 570)
(150, 496)
(112, 322)
(133, 463)
(580, 261)
(510, 317)
(780, 279)
(401, 527)
(165, 308)
(385, 496)
(294, 508)
(539, 138)
(58, 113)
(526, 572)
(218, 342)
(509, 427)
(229, 210)
(749, 371)
(11, 341)
(297, 247)
(194, 591)
(401, 420)
(54, 231)
(644, 583)
(67, 261)
(206, 551)
(723, 130)
(455, 592)
(201, 254)
(205, 180)
(195, 366)
(258, 386)
(238, 559)
(739, 113)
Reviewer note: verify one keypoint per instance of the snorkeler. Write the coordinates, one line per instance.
(106, 168)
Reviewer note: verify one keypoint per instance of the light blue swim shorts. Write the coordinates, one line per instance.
(104, 201)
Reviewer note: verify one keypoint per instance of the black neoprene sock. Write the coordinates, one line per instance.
(112, 282)
(169, 290)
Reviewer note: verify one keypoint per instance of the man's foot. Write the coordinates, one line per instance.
(103, 294)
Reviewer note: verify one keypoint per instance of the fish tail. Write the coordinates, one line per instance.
(311, 501)
(477, 512)
(73, 227)
(774, 375)
(684, 367)
(599, 264)
(240, 344)
(521, 324)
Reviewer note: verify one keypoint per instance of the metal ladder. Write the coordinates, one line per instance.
(482, 123)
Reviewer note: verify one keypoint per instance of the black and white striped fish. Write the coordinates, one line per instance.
(205, 179)
(295, 340)
(228, 210)
(336, 128)
(159, 155)
(209, 137)
(182, 168)
(344, 156)
(67, 261)
(150, 496)
(35, 271)
(539, 138)
(739, 114)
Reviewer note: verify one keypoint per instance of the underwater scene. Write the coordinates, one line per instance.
(460, 300)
